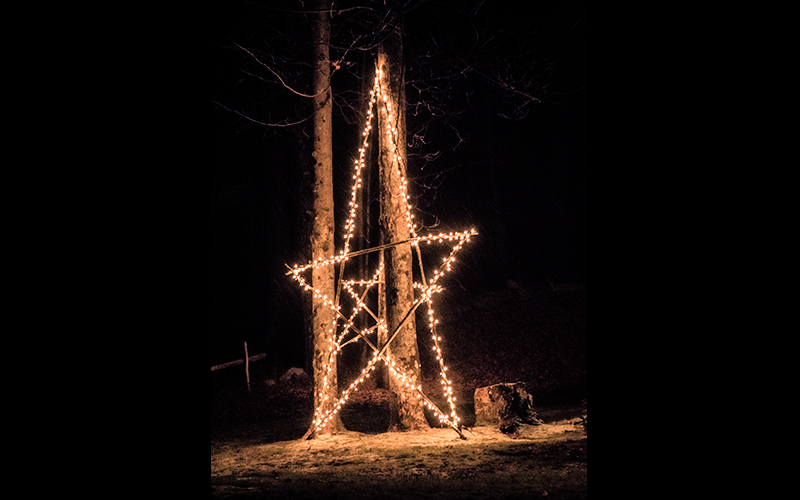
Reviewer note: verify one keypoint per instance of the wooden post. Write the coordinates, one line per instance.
(247, 366)
(381, 372)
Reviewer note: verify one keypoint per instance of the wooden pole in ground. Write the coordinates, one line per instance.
(247, 366)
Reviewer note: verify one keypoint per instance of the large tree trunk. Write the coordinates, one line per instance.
(399, 289)
(322, 243)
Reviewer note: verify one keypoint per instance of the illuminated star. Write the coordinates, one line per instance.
(344, 325)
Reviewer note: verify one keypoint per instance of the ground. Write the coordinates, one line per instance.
(549, 462)
(511, 335)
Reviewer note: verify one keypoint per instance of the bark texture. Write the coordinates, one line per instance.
(399, 290)
(322, 242)
(508, 406)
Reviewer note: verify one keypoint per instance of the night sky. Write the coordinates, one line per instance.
(519, 179)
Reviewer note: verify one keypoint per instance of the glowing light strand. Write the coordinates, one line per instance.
(322, 418)
(427, 289)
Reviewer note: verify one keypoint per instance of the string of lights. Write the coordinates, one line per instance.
(326, 410)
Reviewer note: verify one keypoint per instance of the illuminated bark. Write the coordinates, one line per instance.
(399, 290)
(322, 242)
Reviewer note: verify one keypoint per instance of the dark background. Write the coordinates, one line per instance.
(521, 183)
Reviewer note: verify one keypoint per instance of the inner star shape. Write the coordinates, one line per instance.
(344, 329)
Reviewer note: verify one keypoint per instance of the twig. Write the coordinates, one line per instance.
(262, 123)
(279, 76)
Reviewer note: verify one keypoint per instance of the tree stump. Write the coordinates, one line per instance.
(507, 405)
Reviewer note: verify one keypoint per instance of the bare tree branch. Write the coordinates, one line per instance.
(279, 76)
(257, 122)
